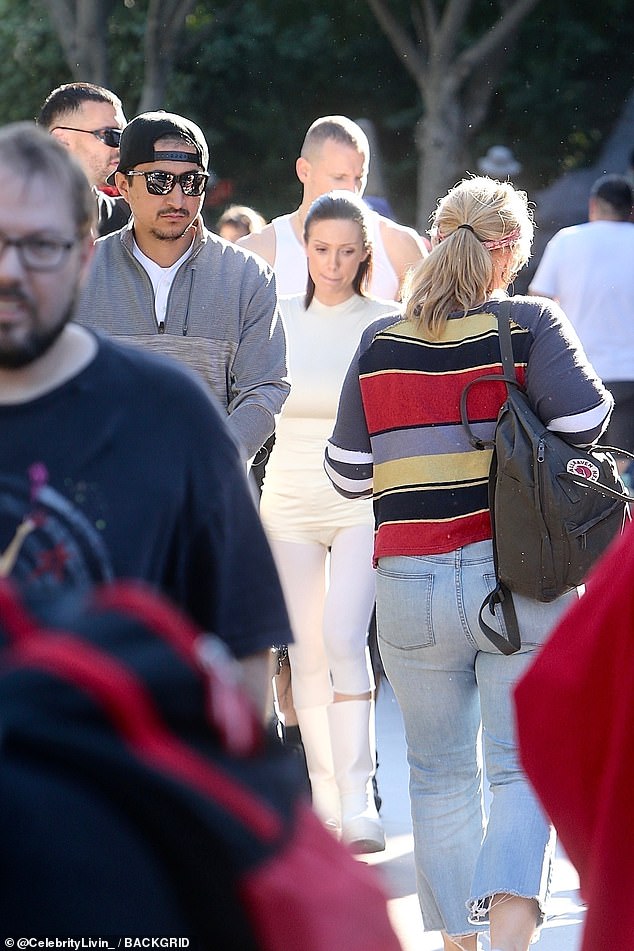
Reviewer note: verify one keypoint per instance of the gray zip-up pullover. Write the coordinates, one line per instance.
(222, 320)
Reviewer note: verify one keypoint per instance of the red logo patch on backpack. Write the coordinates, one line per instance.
(584, 468)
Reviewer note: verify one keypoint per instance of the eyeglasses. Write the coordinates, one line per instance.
(36, 252)
(109, 137)
(162, 183)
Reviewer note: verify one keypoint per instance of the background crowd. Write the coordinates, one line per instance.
(339, 330)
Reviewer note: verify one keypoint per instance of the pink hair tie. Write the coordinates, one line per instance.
(504, 241)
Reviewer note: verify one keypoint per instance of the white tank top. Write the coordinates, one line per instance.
(291, 270)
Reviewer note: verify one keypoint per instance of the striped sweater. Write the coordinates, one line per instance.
(398, 434)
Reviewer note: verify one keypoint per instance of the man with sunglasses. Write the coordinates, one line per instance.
(166, 282)
(114, 463)
(88, 120)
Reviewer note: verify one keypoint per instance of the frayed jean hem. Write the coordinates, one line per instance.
(478, 911)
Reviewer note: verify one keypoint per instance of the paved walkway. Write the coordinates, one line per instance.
(563, 928)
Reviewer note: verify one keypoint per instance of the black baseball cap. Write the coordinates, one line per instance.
(140, 135)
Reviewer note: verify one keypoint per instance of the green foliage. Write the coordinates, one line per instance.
(572, 74)
(272, 67)
(125, 41)
(31, 60)
(255, 73)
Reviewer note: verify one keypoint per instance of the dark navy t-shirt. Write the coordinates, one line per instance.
(129, 471)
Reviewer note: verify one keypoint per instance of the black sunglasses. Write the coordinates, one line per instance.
(109, 137)
(162, 183)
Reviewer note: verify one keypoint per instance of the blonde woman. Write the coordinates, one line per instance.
(398, 436)
(321, 543)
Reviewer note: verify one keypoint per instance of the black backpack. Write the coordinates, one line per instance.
(141, 797)
(554, 507)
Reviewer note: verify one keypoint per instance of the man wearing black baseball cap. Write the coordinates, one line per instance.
(168, 283)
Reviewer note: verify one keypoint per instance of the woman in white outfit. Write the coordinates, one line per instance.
(321, 542)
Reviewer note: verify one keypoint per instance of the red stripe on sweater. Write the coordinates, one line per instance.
(431, 538)
(398, 399)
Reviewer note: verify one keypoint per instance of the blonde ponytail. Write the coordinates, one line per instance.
(477, 217)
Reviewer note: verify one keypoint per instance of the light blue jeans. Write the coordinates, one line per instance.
(453, 686)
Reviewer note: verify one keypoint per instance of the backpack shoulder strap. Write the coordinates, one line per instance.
(508, 375)
(506, 341)
(501, 595)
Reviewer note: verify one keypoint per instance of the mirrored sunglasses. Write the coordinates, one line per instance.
(161, 183)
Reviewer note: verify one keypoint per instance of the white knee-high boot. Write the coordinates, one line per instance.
(354, 754)
(315, 730)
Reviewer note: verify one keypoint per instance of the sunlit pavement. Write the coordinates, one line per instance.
(562, 931)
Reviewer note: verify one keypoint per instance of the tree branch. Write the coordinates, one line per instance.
(407, 51)
(62, 16)
(165, 21)
(175, 12)
(493, 39)
(420, 28)
(448, 32)
(91, 29)
(164, 25)
(431, 20)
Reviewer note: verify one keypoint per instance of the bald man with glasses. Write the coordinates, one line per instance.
(88, 119)
(166, 282)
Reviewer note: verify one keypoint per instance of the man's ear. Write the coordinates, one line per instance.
(123, 184)
(302, 169)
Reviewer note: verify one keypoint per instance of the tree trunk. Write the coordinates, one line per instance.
(82, 29)
(92, 41)
(440, 145)
(164, 27)
(455, 85)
